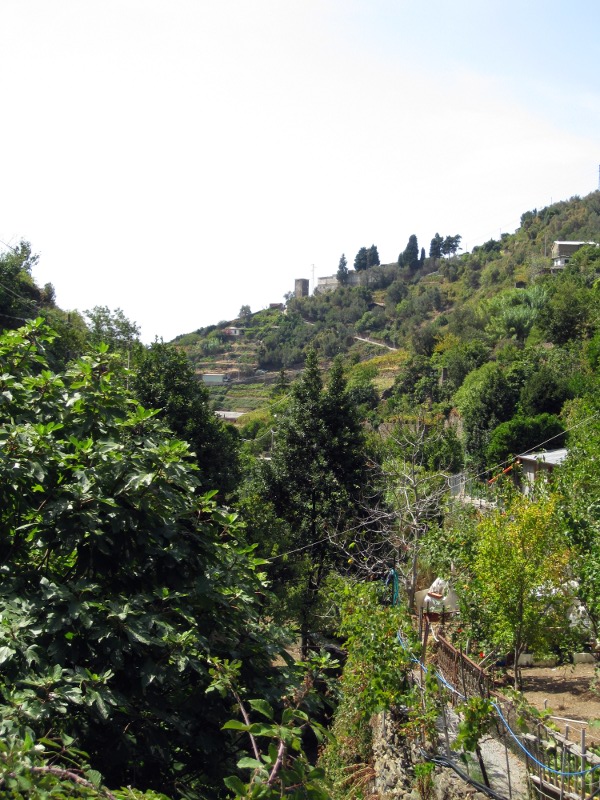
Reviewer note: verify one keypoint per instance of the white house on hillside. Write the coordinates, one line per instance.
(562, 252)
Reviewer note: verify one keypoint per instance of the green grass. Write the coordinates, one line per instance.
(241, 396)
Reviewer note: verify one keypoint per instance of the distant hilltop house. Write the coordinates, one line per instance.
(562, 252)
(233, 331)
(328, 283)
(331, 282)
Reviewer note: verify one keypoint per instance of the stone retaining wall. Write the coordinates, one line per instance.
(393, 759)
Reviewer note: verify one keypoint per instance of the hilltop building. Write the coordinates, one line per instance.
(301, 288)
(330, 282)
(562, 252)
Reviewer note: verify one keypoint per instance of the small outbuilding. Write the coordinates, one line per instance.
(229, 416)
(215, 378)
(540, 464)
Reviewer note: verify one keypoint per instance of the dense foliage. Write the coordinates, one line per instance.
(314, 481)
(165, 379)
(128, 593)
(119, 578)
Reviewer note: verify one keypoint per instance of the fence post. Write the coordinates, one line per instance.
(562, 765)
(424, 649)
(583, 763)
(505, 737)
(445, 721)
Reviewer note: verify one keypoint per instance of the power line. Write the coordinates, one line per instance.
(308, 546)
(9, 246)
(534, 448)
(12, 316)
(300, 549)
(18, 296)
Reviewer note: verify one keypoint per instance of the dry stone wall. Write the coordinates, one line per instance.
(394, 757)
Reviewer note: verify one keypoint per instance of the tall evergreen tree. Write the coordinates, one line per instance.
(361, 260)
(410, 257)
(343, 271)
(315, 478)
(373, 256)
(435, 248)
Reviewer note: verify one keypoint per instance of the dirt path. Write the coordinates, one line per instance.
(371, 341)
(569, 693)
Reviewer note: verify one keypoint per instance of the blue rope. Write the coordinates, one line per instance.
(393, 575)
(529, 755)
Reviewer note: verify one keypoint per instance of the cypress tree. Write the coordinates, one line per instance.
(372, 256)
(343, 271)
(410, 257)
(435, 248)
(315, 477)
(361, 261)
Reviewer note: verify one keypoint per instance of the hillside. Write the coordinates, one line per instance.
(159, 564)
(493, 296)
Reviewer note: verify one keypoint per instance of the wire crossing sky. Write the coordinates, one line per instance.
(179, 159)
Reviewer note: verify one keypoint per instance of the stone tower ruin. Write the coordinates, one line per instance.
(301, 287)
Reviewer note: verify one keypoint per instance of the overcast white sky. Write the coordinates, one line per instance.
(180, 158)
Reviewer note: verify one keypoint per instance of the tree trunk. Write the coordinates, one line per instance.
(482, 766)
(311, 596)
(517, 668)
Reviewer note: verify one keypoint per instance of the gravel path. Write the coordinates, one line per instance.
(494, 758)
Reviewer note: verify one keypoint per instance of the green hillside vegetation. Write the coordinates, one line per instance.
(497, 309)
(161, 569)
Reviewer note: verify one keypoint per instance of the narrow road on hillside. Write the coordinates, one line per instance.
(362, 338)
(372, 341)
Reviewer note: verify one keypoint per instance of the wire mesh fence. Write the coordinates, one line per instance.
(557, 766)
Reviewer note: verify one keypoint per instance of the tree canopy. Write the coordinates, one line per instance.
(519, 564)
(112, 328)
(410, 255)
(119, 578)
(343, 271)
(164, 379)
(316, 474)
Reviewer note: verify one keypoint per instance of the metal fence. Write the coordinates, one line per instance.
(461, 672)
(558, 767)
(469, 490)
